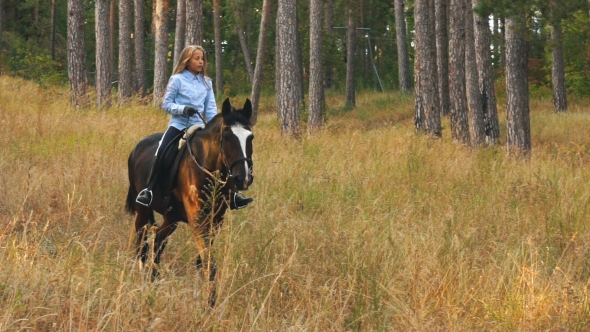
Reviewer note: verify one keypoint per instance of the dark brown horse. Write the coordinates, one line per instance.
(215, 161)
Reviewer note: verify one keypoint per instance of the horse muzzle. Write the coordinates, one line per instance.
(242, 182)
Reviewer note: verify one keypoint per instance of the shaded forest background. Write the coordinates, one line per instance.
(29, 51)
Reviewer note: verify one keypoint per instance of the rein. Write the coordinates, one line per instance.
(190, 150)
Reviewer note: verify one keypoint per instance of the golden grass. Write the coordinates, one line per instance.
(365, 226)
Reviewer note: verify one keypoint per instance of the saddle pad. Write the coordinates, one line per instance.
(187, 134)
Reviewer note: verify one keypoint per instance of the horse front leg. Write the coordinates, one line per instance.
(206, 262)
(141, 227)
(161, 239)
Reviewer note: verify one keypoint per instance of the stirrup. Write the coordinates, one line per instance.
(144, 198)
(238, 201)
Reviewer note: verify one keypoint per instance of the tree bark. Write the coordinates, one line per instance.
(278, 67)
(257, 79)
(316, 81)
(328, 60)
(442, 55)
(140, 49)
(299, 63)
(458, 112)
(218, 49)
(53, 25)
(557, 69)
(403, 57)
(1, 36)
(246, 53)
(77, 54)
(161, 51)
(103, 67)
(125, 65)
(474, 102)
(288, 85)
(238, 7)
(517, 89)
(427, 104)
(194, 22)
(350, 45)
(112, 15)
(180, 29)
(486, 76)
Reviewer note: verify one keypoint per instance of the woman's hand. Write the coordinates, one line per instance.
(189, 110)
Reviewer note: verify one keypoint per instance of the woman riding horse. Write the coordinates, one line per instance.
(189, 92)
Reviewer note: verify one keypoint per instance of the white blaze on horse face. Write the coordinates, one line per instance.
(242, 134)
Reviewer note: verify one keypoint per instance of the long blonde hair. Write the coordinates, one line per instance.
(186, 55)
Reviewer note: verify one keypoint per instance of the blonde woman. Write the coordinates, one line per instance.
(189, 98)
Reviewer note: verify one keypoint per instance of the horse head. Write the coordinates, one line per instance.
(236, 143)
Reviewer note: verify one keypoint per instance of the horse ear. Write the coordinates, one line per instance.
(226, 108)
(247, 110)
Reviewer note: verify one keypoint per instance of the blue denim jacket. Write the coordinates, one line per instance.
(186, 89)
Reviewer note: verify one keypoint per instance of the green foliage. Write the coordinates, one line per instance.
(29, 61)
(576, 33)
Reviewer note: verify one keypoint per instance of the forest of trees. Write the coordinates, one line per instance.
(454, 55)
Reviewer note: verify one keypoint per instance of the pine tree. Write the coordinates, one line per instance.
(103, 66)
(289, 79)
(316, 84)
(77, 54)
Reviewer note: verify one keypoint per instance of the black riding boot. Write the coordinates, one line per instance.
(145, 196)
(238, 201)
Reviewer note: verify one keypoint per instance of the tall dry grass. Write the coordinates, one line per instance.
(365, 226)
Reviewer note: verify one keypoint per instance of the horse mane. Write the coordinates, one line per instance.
(234, 117)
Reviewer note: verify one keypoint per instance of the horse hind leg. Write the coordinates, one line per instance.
(161, 239)
(143, 219)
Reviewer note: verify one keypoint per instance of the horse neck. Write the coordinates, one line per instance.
(207, 147)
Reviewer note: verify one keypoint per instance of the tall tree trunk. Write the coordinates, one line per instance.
(316, 81)
(459, 121)
(403, 57)
(160, 66)
(77, 54)
(299, 64)
(517, 89)
(218, 49)
(427, 105)
(53, 25)
(103, 67)
(246, 53)
(257, 79)
(557, 69)
(350, 45)
(194, 22)
(180, 29)
(474, 103)
(125, 53)
(140, 50)
(328, 60)
(486, 76)
(237, 7)
(503, 42)
(278, 67)
(1, 36)
(442, 55)
(288, 94)
(112, 16)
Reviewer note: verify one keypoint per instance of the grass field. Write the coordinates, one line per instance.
(365, 226)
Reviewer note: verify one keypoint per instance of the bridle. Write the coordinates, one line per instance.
(248, 161)
(225, 162)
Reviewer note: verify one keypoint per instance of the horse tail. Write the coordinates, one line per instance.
(129, 204)
(132, 192)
